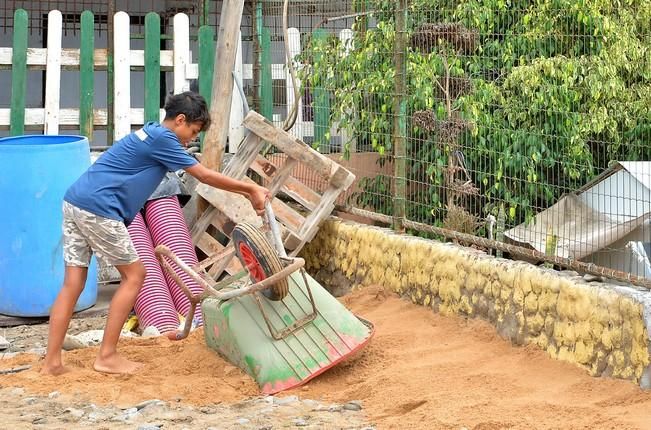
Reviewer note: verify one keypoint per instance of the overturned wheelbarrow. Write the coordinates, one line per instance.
(272, 319)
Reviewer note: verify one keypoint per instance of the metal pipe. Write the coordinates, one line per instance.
(400, 117)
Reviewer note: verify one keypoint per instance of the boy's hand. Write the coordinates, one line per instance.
(258, 196)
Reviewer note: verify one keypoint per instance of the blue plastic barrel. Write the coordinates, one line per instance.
(35, 172)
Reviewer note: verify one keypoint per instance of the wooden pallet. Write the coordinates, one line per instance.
(299, 226)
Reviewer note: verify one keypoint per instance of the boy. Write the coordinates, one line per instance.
(106, 198)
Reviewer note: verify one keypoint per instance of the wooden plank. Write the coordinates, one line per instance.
(86, 74)
(19, 73)
(325, 207)
(37, 59)
(152, 67)
(295, 189)
(121, 76)
(235, 207)
(287, 216)
(209, 245)
(222, 87)
(266, 82)
(53, 72)
(278, 72)
(240, 163)
(202, 224)
(70, 117)
(296, 148)
(281, 175)
(181, 52)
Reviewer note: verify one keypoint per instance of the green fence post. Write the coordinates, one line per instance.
(152, 67)
(321, 101)
(266, 79)
(19, 73)
(400, 118)
(86, 74)
(206, 65)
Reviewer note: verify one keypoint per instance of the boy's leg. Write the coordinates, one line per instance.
(108, 360)
(110, 241)
(60, 314)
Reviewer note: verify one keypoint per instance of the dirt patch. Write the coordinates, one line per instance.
(422, 370)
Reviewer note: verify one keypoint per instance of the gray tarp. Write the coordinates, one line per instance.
(581, 230)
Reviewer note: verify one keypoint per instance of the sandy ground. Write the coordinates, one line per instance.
(421, 371)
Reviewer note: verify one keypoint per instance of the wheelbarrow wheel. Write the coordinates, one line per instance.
(260, 258)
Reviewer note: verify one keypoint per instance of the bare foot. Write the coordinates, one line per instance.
(116, 364)
(54, 370)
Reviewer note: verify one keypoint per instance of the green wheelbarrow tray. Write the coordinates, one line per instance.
(279, 326)
(240, 332)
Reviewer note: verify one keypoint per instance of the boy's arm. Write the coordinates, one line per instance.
(256, 194)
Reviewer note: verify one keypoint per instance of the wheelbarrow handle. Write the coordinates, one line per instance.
(275, 230)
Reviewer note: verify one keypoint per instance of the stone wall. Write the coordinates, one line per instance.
(601, 327)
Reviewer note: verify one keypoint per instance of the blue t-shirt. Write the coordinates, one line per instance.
(118, 184)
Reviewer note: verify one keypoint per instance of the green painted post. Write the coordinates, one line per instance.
(400, 118)
(86, 74)
(19, 73)
(321, 102)
(257, 35)
(206, 61)
(152, 67)
(206, 65)
(266, 82)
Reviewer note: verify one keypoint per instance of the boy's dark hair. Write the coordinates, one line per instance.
(190, 104)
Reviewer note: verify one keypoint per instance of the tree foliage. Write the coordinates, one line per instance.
(560, 89)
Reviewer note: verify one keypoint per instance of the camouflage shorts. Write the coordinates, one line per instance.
(85, 233)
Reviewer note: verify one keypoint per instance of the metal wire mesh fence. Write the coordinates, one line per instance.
(523, 126)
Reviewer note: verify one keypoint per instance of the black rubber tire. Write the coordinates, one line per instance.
(266, 256)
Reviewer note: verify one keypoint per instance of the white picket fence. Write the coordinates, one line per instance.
(53, 59)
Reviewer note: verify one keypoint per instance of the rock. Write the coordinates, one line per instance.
(4, 343)
(30, 400)
(149, 427)
(285, 400)
(242, 421)
(150, 331)
(53, 395)
(335, 408)
(77, 413)
(36, 351)
(353, 405)
(39, 420)
(126, 415)
(146, 403)
(8, 355)
(300, 422)
(71, 342)
(17, 391)
(310, 403)
(91, 337)
(592, 278)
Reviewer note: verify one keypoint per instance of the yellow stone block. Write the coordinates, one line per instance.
(531, 303)
(536, 323)
(505, 292)
(583, 352)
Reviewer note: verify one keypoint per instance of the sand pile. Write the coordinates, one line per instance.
(422, 370)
